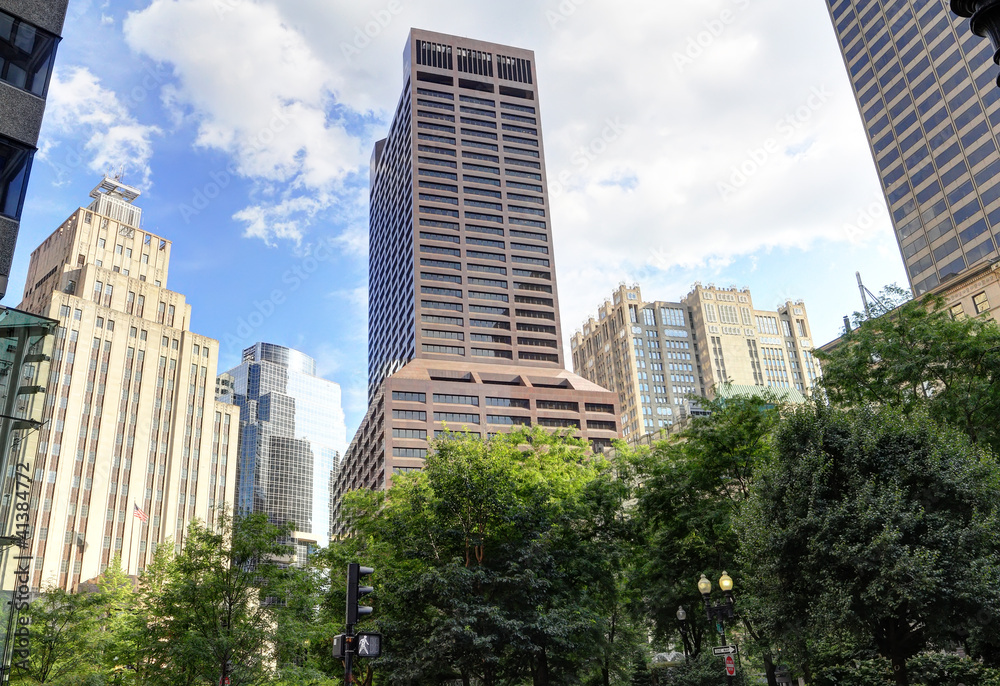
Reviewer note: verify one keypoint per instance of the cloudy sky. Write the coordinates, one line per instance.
(692, 140)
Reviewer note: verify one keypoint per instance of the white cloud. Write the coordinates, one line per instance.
(297, 91)
(86, 123)
(255, 90)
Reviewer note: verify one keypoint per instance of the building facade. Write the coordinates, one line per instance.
(741, 345)
(463, 304)
(292, 434)
(929, 105)
(130, 412)
(29, 35)
(655, 355)
(644, 352)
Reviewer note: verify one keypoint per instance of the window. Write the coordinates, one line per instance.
(409, 396)
(26, 55)
(957, 311)
(15, 165)
(981, 303)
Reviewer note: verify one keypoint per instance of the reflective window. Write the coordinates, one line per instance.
(26, 55)
(15, 165)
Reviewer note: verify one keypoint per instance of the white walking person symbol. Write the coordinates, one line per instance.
(363, 645)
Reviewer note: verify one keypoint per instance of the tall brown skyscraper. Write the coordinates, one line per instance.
(463, 314)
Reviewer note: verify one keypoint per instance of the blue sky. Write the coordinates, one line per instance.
(697, 140)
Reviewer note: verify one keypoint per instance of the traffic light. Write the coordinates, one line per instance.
(355, 592)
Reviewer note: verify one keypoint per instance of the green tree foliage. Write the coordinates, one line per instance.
(215, 605)
(690, 497)
(62, 639)
(876, 524)
(503, 561)
(919, 356)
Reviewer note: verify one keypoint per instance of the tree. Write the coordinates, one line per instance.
(877, 524)
(214, 612)
(114, 604)
(689, 500)
(919, 356)
(62, 633)
(500, 562)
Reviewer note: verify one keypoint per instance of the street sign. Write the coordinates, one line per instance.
(726, 650)
(730, 666)
(369, 645)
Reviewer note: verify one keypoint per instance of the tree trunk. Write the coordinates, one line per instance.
(540, 676)
(899, 670)
(772, 680)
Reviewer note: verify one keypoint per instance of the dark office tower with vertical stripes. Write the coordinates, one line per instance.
(926, 92)
(463, 307)
(29, 34)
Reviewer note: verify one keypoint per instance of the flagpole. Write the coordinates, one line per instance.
(128, 566)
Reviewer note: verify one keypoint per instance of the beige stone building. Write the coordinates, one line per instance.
(655, 355)
(975, 293)
(740, 344)
(130, 410)
(644, 352)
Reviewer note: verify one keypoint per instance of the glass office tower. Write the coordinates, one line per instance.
(291, 434)
(925, 91)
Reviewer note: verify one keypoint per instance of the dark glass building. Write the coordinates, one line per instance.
(29, 34)
(930, 107)
(291, 436)
(464, 327)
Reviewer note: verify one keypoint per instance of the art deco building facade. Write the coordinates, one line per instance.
(926, 94)
(29, 34)
(656, 355)
(742, 345)
(292, 434)
(463, 316)
(645, 352)
(130, 412)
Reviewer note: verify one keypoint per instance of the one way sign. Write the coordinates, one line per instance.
(726, 650)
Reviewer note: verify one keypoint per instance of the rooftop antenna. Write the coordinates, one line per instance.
(866, 294)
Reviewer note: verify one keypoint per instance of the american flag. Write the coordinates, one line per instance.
(137, 512)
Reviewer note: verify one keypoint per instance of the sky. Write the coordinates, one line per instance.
(712, 141)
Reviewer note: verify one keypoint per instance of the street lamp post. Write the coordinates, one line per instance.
(719, 612)
(682, 621)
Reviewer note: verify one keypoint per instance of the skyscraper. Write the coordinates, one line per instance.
(646, 353)
(463, 306)
(657, 354)
(29, 35)
(292, 434)
(925, 91)
(131, 423)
